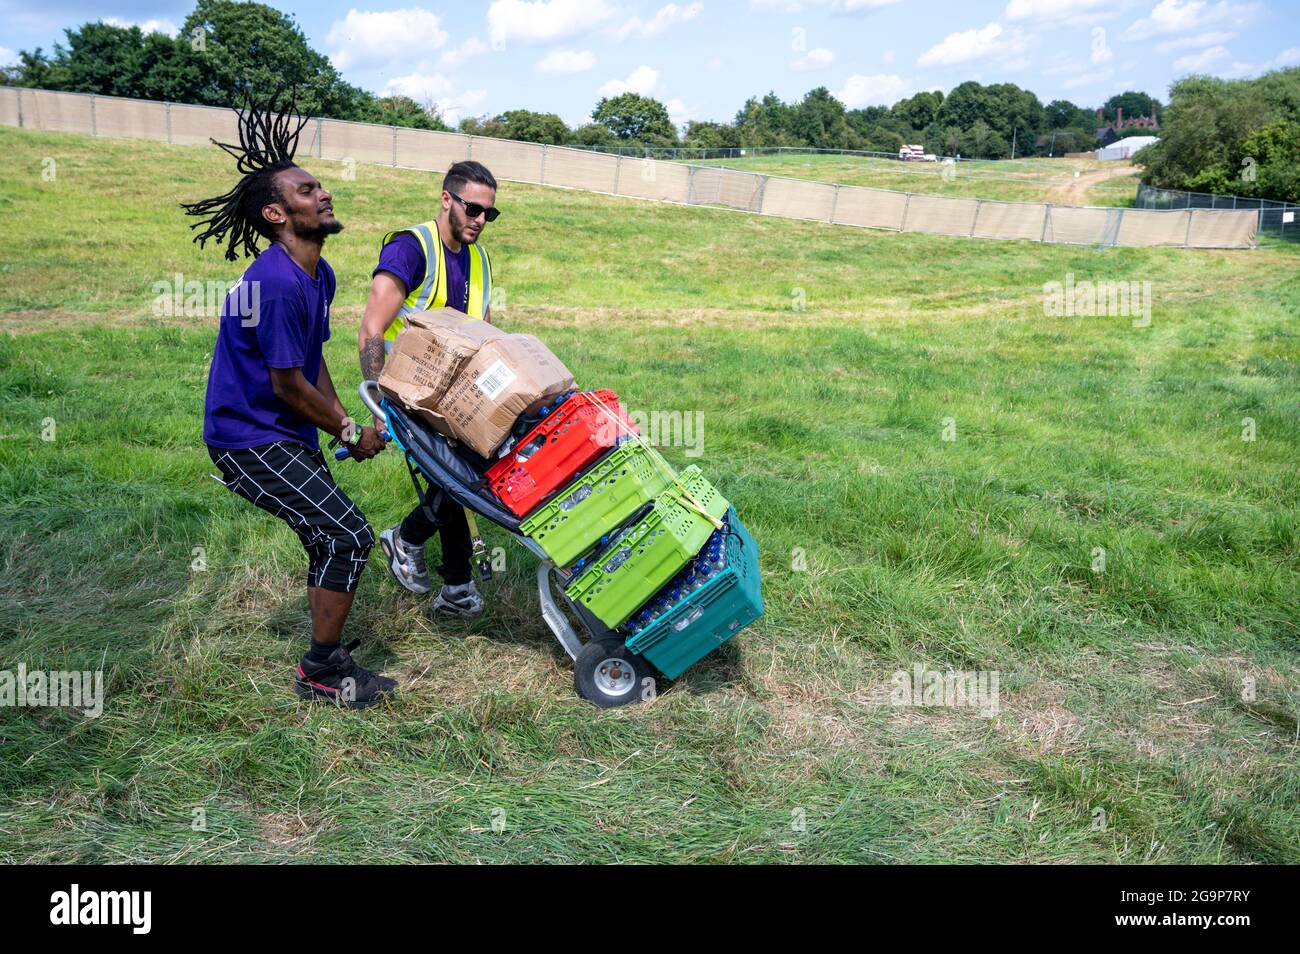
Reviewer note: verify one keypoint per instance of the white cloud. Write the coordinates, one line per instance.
(973, 44)
(818, 59)
(7, 57)
(434, 89)
(1182, 16)
(642, 80)
(146, 26)
(1091, 78)
(679, 113)
(664, 18)
(565, 62)
(1288, 57)
(839, 6)
(540, 21)
(373, 38)
(1201, 40)
(878, 89)
(470, 48)
(1196, 62)
(1071, 11)
(1072, 66)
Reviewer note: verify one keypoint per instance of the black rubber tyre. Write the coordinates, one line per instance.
(608, 674)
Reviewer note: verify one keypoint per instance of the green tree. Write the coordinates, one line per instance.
(703, 135)
(920, 110)
(528, 126)
(636, 118)
(819, 120)
(1133, 103)
(766, 122)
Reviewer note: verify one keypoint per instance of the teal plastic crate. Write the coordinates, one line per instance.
(645, 554)
(597, 501)
(729, 599)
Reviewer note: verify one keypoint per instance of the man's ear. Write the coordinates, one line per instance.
(274, 213)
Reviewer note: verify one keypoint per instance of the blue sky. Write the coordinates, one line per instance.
(705, 57)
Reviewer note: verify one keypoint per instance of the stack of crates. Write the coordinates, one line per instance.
(639, 551)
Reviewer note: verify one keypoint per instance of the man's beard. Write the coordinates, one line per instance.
(315, 233)
(460, 227)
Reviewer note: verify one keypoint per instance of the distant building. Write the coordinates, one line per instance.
(1124, 148)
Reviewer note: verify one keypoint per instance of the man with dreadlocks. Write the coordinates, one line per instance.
(433, 265)
(269, 389)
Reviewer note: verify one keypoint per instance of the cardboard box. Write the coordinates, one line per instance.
(428, 355)
(507, 376)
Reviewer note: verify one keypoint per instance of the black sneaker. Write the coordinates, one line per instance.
(342, 681)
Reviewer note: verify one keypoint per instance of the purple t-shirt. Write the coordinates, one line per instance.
(276, 317)
(404, 257)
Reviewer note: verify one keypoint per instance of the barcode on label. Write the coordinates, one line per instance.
(495, 379)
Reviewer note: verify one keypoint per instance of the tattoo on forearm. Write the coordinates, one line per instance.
(372, 358)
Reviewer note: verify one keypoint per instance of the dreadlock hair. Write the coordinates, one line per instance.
(268, 139)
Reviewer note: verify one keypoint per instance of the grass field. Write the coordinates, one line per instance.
(829, 364)
(1019, 180)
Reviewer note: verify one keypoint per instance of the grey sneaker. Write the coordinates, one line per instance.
(405, 561)
(462, 600)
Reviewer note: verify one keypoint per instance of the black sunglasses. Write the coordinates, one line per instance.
(474, 210)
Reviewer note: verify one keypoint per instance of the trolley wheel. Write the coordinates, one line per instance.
(608, 674)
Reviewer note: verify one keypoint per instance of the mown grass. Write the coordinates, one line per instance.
(825, 362)
(1019, 180)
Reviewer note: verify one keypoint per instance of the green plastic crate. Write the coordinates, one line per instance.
(648, 553)
(707, 617)
(597, 501)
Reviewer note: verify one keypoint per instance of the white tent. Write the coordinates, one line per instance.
(1124, 148)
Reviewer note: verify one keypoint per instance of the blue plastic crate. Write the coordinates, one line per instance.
(714, 597)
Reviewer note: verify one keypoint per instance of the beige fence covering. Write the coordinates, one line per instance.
(128, 118)
(63, 112)
(1073, 225)
(194, 125)
(934, 213)
(647, 178)
(509, 160)
(356, 141)
(798, 198)
(580, 169)
(1223, 229)
(8, 106)
(435, 151)
(711, 185)
(653, 179)
(872, 208)
(1014, 220)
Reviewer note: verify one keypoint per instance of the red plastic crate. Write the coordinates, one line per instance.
(567, 440)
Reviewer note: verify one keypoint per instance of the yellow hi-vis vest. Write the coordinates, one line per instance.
(432, 292)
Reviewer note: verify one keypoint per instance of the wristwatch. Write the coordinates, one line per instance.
(350, 434)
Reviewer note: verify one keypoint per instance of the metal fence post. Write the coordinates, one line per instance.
(758, 199)
(979, 203)
(168, 112)
(835, 200)
(394, 130)
(543, 179)
(618, 171)
(1187, 239)
(94, 129)
(907, 205)
(319, 145)
(1047, 220)
(18, 91)
(690, 185)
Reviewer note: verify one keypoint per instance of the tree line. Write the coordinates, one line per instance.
(1216, 135)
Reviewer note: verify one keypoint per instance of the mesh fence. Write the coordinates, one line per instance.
(1275, 219)
(1163, 218)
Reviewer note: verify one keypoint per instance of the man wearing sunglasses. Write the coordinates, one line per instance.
(433, 265)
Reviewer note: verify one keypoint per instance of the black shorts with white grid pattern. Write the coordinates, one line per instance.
(293, 483)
